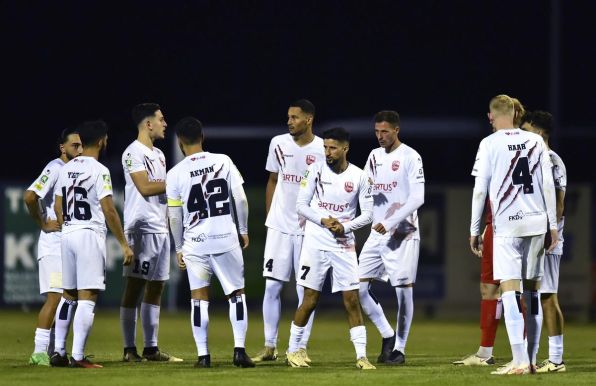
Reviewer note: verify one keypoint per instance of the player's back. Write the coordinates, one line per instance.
(82, 184)
(204, 182)
(512, 160)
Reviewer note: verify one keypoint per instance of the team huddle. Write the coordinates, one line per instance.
(312, 199)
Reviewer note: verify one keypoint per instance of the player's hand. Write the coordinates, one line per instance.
(380, 228)
(554, 235)
(51, 226)
(128, 255)
(475, 245)
(329, 222)
(245, 241)
(181, 263)
(337, 229)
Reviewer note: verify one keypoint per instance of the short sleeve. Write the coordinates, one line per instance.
(365, 191)
(103, 184)
(133, 162)
(273, 158)
(482, 163)
(235, 176)
(172, 190)
(59, 184)
(559, 174)
(45, 182)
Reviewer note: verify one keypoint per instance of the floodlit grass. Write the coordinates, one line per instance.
(433, 345)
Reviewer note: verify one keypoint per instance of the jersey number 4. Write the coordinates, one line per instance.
(78, 208)
(216, 192)
(521, 175)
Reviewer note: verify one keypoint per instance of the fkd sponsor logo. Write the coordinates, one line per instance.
(518, 216)
(310, 159)
(349, 186)
(200, 238)
(395, 165)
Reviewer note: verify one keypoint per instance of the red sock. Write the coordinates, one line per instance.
(488, 322)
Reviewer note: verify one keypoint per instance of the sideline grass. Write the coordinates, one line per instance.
(432, 346)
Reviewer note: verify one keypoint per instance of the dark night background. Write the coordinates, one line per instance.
(242, 62)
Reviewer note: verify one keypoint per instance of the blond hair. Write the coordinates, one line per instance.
(519, 111)
(502, 105)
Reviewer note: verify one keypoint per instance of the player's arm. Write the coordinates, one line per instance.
(32, 202)
(366, 207)
(241, 206)
(175, 221)
(113, 221)
(478, 203)
(414, 201)
(550, 200)
(269, 190)
(560, 203)
(145, 187)
(58, 209)
(305, 195)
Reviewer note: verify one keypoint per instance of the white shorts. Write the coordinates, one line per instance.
(282, 254)
(550, 281)
(517, 258)
(314, 264)
(227, 266)
(391, 259)
(152, 256)
(50, 274)
(84, 260)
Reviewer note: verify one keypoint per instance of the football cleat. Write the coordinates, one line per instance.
(84, 363)
(57, 360)
(510, 369)
(241, 359)
(267, 354)
(203, 361)
(131, 355)
(386, 349)
(550, 367)
(295, 359)
(154, 354)
(475, 360)
(363, 364)
(304, 354)
(39, 359)
(396, 358)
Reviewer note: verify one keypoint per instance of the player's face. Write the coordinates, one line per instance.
(298, 121)
(103, 145)
(157, 125)
(531, 128)
(72, 147)
(491, 120)
(335, 151)
(386, 134)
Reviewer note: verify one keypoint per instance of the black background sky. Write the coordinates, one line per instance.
(242, 62)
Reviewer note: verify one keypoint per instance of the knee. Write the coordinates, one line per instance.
(272, 290)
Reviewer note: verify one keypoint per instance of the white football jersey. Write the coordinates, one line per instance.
(290, 162)
(43, 187)
(335, 195)
(83, 182)
(204, 182)
(560, 179)
(392, 174)
(515, 162)
(144, 214)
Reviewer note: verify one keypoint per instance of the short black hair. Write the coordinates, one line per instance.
(189, 130)
(92, 131)
(338, 133)
(388, 116)
(540, 119)
(142, 111)
(64, 135)
(304, 105)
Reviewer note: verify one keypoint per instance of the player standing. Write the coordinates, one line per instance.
(145, 226)
(393, 246)
(540, 122)
(513, 165)
(200, 190)
(289, 156)
(39, 198)
(83, 205)
(329, 195)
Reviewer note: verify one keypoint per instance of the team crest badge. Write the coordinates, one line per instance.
(310, 159)
(395, 165)
(349, 186)
(395, 184)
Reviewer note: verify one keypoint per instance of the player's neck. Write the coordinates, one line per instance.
(193, 149)
(304, 139)
(340, 167)
(504, 124)
(92, 152)
(395, 145)
(64, 158)
(145, 139)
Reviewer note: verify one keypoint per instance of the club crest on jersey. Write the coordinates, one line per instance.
(310, 159)
(395, 165)
(349, 186)
(394, 184)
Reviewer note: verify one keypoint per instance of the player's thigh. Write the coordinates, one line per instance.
(279, 255)
(314, 265)
(370, 263)
(91, 260)
(507, 258)
(151, 256)
(229, 269)
(344, 273)
(549, 284)
(198, 269)
(401, 263)
(50, 274)
(68, 247)
(533, 257)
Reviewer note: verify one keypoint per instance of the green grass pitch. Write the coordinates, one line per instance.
(432, 346)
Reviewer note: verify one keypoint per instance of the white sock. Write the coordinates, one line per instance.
(358, 338)
(308, 328)
(555, 349)
(64, 313)
(83, 321)
(272, 311)
(372, 308)
(42, 340)
(239, 319)
(484, 352)
(199, 320)
(514, 322)
(295, 337)
(533, 322)
(405, 312)
(150, 322)
(128, 324)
